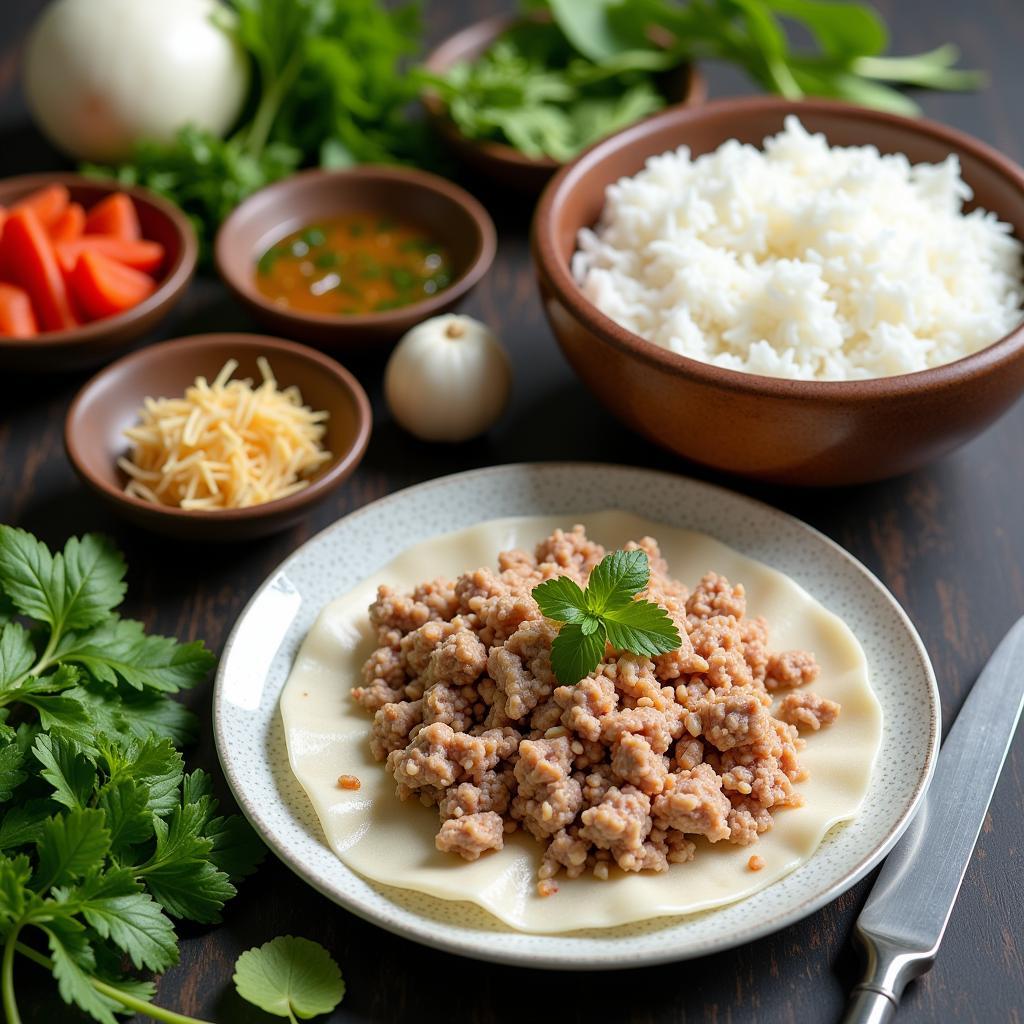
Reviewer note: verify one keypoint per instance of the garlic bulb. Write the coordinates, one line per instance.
(448, 379)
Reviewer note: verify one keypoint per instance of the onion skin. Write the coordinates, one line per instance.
(448, 379)
(100, 75)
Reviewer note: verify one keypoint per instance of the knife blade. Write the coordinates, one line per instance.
(906, 913)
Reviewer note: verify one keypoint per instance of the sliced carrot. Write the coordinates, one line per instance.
(140, 255)
(115, 216)
(69, 225)
(28, 257)
(104, 287)
(47, 203)
(16, 317)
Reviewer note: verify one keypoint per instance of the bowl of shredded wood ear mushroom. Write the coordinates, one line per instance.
(218, 436)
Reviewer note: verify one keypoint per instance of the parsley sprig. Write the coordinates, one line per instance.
(607, 612)
(104, 838)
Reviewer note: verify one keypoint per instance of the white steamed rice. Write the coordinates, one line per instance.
(803, 260)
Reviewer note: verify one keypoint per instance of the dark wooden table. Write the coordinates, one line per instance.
(948, 541)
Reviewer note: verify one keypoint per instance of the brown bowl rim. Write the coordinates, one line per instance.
(558, 276)
(439, 61)
(175, 281)
(337, 472)
(483, 257)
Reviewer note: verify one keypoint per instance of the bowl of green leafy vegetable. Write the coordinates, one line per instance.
(517, 97)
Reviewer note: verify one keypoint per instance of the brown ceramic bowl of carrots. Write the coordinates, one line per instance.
(87, 267)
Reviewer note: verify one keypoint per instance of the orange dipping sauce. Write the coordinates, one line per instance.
(353, 264)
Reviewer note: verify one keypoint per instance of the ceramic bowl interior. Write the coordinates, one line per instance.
(162, 222)
(443, 210)
(109, 403)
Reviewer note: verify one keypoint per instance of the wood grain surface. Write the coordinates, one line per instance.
(948, 541)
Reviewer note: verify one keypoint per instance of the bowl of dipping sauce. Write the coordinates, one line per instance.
(218, 437)
(354, 258)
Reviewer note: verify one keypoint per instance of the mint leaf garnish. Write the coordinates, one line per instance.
(606, 612)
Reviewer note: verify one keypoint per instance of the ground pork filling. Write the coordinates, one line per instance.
(626, 768)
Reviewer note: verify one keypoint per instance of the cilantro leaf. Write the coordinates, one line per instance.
(12, 759)
(127, 713)
(128, 817)
(14, 875)
(73, 589)
(71, 845)
(180, 874)
(152, 762)
(562, 599)
(616, 579)
(66, 769)
(23, 823)
(73, 962)
(235, 849)
(17, 654)
(115, 907)
(120, 650)
(574, 654)
(643, 628)
(290, 977)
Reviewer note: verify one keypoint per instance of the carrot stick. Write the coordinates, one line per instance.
(69, 225)
(104, 287)
(28, 257)
(115, 216)
(140, 255)
(47, 203)
(16, 317)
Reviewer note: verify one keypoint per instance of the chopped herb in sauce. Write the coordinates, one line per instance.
(352, 264)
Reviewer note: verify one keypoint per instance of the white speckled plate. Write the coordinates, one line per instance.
(260, 650)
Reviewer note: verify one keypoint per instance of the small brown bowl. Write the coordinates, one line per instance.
(109, 403)
(97, 341)
(499, 162)
(790, 431)
(444, 210)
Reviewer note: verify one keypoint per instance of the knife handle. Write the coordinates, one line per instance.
(890, 966)
(868, 1006)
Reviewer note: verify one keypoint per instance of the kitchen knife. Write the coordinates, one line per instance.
(908, 909)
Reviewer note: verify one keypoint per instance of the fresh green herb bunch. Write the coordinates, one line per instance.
(607, 612)
(103, 836)
(329, 89)
(551, 89)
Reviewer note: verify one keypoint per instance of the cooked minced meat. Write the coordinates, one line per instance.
(626, 768)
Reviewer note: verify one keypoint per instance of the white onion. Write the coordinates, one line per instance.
(102, 74)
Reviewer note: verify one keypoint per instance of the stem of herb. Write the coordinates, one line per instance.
(7, 973)
(129, 1002)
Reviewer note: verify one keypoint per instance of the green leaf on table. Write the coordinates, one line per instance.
(71, 846)
(14, 895)
(12, 761)
(66, 769)
(73, 963)
(73, 589)
(120, 649)
(235, 848)
(17, 655)
(290, 977)
(153, 763)
(179, 874)
(128, 817)
(117, 909)
(23, 823)
(127, 713)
